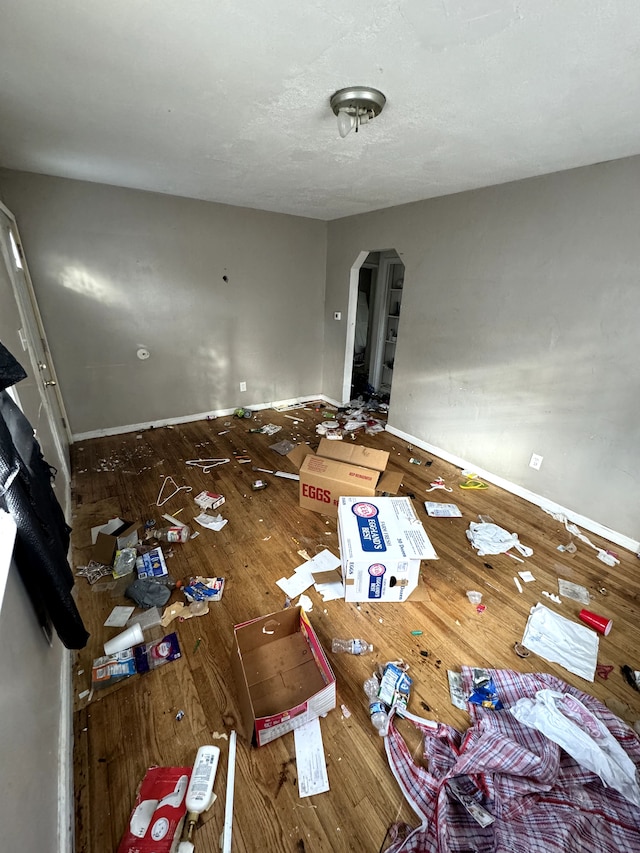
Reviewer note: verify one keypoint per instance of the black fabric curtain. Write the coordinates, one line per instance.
(26, 493)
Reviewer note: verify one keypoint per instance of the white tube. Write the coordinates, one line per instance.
(228, 809)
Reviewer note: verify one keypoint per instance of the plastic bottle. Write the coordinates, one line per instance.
(200, 794)
(172, 534)
(377, 710)
(351, 647)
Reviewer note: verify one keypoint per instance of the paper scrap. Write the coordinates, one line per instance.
(296, 584)
(517, 583)
(440, 510)
(213, 522)
(527, 577)
(119, 616)
(574, 591)
(310, 760)
(305, 602)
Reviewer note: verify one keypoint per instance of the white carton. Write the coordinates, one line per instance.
(382, 542)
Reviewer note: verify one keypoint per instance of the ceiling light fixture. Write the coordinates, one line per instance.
(356, 105)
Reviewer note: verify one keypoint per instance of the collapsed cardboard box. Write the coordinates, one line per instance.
(339, 468)
(111, 537)
(282, 674)
(382, 542)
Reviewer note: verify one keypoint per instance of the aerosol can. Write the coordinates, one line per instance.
(200, 796)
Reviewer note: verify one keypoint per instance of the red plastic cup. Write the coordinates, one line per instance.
(599, 623)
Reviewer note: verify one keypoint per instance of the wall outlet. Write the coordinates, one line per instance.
(243, 386)
(337, 315)
(535, 461)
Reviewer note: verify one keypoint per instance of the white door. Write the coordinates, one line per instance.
(22, 333)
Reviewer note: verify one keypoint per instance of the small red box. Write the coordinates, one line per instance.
(156, 821)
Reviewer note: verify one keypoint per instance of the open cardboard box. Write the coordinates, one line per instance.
(382, 543)
(337, 469)
(111, 537)
(282, 674)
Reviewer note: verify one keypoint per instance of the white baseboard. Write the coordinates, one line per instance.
(66, 811)
(544, 503)
(185, 419)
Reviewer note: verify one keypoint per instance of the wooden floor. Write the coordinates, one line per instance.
(122, 731)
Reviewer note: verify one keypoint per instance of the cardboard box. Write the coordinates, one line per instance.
(339, 469)
(282, 674)
(111, 537)
(382, 542)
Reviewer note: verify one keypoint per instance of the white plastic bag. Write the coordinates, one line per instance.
(565, 720)
(559, 640)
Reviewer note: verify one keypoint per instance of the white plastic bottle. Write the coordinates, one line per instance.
(377, 710)
(200, 794)
(351, 647)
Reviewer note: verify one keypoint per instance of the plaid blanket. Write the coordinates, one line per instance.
(540, 799)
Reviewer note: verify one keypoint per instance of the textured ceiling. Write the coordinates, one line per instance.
(228, 100)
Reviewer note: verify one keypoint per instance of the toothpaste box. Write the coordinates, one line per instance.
(382, 543)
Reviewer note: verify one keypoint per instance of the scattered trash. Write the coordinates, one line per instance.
(159, 809)
(607, 557)
(346, 713)
(204, 589)
(84, 694)
(631, 676)
(212, 522)
(603, 671)
(456, 691)
(351, 647)
(93, 571)
(474, 596)
(440, 510)
(305, 602)
(207, 464)
(176, 534)
(518, 584)
(179, 716)
(552, 596)
(282, 447)
(569, 549)
(573, 591)
(416, 633)
(601, 624)
(559, 640)
(258, 485)
(395, 685)
(424, 653)
(481, 608)
(162, 499)
(566, 721)
(197, 645)
(242, 413)
(377, 712)
(491, 539)
(438, 483)
(209, 500)
(118, 617)
(527, 577)
(415, 461)
(520, 650)
(484, 690)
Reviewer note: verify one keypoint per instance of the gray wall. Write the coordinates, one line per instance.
(117, 269)
(519, 330)
(30, 710)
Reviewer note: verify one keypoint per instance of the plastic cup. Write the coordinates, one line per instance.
(474, 597)
(601, 624)
(133, 636)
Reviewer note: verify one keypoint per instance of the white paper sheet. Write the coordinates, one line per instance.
(119, 616)
(310, 760)
(559, 640)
